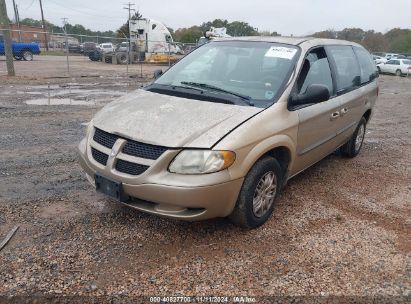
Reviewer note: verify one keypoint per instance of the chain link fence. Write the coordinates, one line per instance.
(58, 55)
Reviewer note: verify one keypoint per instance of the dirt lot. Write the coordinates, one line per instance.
(342, 228)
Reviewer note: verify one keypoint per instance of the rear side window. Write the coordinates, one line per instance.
(348, 71)
(367, 65)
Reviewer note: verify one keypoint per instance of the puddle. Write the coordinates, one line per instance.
(60, 101)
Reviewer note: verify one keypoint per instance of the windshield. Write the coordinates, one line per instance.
(257, 70)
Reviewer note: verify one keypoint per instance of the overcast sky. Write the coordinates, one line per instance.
(298, 17)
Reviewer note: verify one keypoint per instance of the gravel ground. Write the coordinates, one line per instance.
(341, 228)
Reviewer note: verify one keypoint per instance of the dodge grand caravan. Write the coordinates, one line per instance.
(221, 132)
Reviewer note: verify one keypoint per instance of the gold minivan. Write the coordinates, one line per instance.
(221, 132)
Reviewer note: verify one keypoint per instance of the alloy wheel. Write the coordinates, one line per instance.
(264, 194)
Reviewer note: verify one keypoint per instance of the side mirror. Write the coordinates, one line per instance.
(157, 73)
(315, 93)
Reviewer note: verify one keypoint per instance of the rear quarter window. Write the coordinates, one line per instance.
(347, 69)
(367, 65)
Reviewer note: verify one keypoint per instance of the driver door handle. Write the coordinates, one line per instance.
(335, 115)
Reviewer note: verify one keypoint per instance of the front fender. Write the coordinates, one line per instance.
(246, 157)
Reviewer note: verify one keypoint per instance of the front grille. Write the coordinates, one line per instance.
(104, 138)
(130, 168)
(100, 157)
(142, 150)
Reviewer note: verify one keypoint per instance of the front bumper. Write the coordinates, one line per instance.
(184, 197)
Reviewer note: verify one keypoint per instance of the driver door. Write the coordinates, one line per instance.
(318, 123)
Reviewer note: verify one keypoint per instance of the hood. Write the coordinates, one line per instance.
(170, 121)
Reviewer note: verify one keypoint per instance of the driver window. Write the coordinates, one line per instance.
(315, 70)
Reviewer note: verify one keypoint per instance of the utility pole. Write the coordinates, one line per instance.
(4, 24)
(129, 5)
(67, 48)
(44, 26)
(16, 17)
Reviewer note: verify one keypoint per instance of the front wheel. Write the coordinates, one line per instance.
(353, 146)
(256, 199)
(27, 55)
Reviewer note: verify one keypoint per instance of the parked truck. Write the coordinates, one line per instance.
(21, 50)
(151, 36)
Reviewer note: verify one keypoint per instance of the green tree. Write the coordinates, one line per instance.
(188, 35)
(352, 34)
(239, 28)
(329, 34)
(399, 40)
(375, 42)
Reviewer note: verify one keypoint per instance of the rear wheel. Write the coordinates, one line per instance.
(353, 146)
(122, 58)
(27, 55)
(398, 72)
(18, 58)
(379, 70)
(256, 199)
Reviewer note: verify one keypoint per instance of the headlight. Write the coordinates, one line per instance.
(201, 161)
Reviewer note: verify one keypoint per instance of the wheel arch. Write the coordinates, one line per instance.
(280, 147)
(367, 115)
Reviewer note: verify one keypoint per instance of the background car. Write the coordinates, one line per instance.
(398, 67)
(107, 47)
(122, 47)
(379, 59)
(89, 47)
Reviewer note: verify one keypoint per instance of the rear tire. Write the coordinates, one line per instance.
(379, 70)
(18, 58)
(353, 146)
(122, 58)
(27, 55)
(398, 73)
(257, 196)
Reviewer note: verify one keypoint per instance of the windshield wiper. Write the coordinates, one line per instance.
(246, 98)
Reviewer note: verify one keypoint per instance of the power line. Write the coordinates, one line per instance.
(83, 12)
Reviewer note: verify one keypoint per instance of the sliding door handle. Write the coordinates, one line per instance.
(335, 115)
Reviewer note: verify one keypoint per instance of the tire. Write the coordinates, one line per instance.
(18, 58)
(379, 70)
(353, 146)
(398, 73)
(122, 58)
(249, 211)
(27, 55)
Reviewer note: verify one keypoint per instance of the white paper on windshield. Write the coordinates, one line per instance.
(281, 52)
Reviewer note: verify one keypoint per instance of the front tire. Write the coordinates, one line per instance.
(257, 196)
(353, 146)
(27, 55)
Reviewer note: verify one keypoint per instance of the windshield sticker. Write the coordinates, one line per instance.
(281, 52)
(269, 94)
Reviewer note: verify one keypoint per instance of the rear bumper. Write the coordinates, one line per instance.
(184, 202)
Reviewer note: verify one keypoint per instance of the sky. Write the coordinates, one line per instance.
(297, 17)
